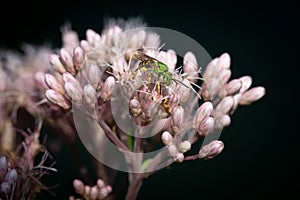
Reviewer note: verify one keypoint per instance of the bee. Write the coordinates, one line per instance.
(157, 69)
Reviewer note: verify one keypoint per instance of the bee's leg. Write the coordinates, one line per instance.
(158, 88)
(133, 74)
(164, 103)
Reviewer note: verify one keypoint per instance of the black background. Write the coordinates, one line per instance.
(261, 145)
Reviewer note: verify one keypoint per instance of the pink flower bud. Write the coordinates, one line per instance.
(78, 58)
(214, 85)
(85, 46)
(3, 167)
(94, 192)
(67, 60)
(246, 83)
(55, 62)
(100, 183)
(179, 157)
(206, 127)
(108, 88)
(104, 192)
(56, 98)
(224, 75)
(223, 121)
(223, 62)
(135, 107)
(90, 36)
(236, 101)
(89, 94)
(87, 189)
(73, 92)
(210, 70)
(167, 138)
(177, 118)
(252, 95)
(152, 40)
(79, 186)
(211, 150)
(224, 106)
(202, 112)
(190, 66)
(233, 86)
(185, 146)
(52, 83)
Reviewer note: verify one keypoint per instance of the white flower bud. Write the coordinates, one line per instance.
(185, 146)
(167, 138)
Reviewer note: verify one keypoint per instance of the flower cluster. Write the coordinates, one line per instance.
(132, 88)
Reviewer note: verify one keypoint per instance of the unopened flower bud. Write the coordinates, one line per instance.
(177, 118)
(100, 183)
(210, 70)
(78, 57)
(89, 95)
(236, 101)
(79, 186)
(94, 192)
(179, 157)
(202, 112)
(171, 59)
(53, 84)
(11, 176)
(223, 121)
(67, 60)
(108, 88)
(87, 189)
(167, 138)
(73, 92)
(214, 85)
(3, 167)
(172, 150)
(104, 192)
(224, 75)
(55, 62)
(57, 98)
(233, 86)
(223, 62)
(190, 66)
(185, 146)
(85, 46)
(224, 106)
(135, 107)
(252, 95)
(246, 83)
(94, 76)
(90, 35)
(206, 127)
(211, 150)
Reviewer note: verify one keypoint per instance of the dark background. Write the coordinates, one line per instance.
(261, 145)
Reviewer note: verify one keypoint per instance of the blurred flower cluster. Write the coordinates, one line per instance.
(180, 104)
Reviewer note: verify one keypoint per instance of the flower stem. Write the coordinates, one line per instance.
(135, 183)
